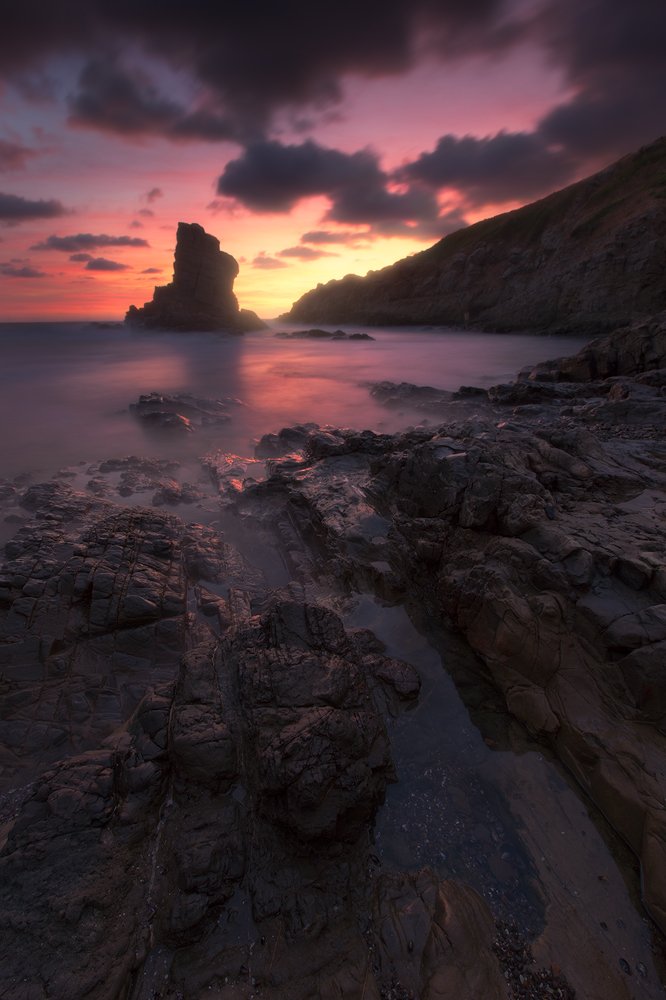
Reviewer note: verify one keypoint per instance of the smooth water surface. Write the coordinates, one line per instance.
(65, 389)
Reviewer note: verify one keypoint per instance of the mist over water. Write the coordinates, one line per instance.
(66, 388)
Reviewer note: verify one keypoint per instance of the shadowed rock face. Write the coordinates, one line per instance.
(200, 297)
(590, 257)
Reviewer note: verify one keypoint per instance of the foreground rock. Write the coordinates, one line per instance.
(194, 752)
(538, 530)
(200, 297)
(588, 258)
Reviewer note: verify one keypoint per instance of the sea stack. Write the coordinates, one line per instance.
(201, 296)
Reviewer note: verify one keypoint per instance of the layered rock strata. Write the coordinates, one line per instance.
(200, 297)
(534, 521)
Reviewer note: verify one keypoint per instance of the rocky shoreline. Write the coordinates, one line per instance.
(197, 734)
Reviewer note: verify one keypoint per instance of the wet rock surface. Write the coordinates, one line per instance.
(181, 412)
(221, 776)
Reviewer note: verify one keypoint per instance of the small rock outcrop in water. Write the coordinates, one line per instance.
(317, 334)
(200, 297)
(590, 257)
(181, 412)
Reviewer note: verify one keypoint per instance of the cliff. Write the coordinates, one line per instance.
(588, 258)
(200, 297)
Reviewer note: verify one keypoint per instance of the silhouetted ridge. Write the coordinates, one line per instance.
(587, 258)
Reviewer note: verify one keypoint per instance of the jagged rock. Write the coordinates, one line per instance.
(636, 350)
(136, 769)
(200, 297)
(416, 397)
(320, 750)
(181, 412)
(192, 761)
(541, 538)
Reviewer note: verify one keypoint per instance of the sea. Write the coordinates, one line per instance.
(66, 388)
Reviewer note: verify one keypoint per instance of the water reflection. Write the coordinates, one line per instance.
(66, 388)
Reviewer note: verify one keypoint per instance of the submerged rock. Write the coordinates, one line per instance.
(200, 297)
(317, 334)
(181, 412)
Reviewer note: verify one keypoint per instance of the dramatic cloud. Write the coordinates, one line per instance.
(262, 260)
(327, 236)
(15, 209)
(251, 60)
(14, 156)
(110, 99)
(500, 168)
(12, 271)
(305, 253)
(80, 258)
(243, 64)
(114, 99)
(88, 241)
(613, 56)
(102, 264)
(271, 177)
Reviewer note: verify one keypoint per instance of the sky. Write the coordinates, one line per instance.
(314, 140)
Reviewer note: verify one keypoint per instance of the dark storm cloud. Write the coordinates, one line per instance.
(103, 264)
(271, 177)
(248, 61)
(13, 156)
(369, 201)
(327, 236)
(15, 209)
(88, 241)
(250, 58)
(500, 168)
(12, 271)
(114, 99)
(305, 253)
(111, 99)
(613, 56)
